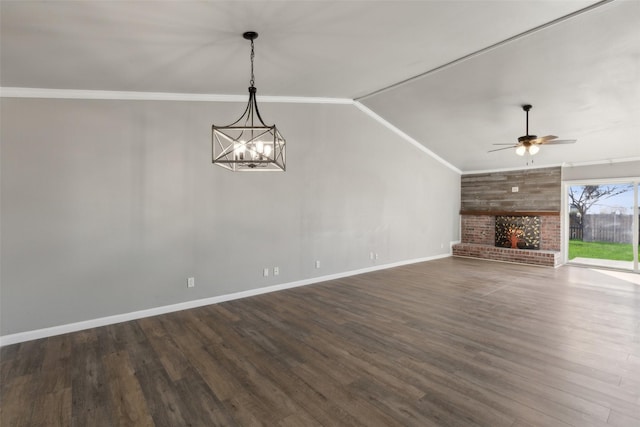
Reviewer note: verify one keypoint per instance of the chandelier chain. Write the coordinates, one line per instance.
(253, 79)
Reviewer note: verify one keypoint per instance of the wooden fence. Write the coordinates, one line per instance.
(575, 232)
(604, 228)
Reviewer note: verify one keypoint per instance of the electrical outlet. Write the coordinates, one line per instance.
(376, 255)
(191, 282)
(265, 272)
(371, 256)
(514, 189)
(276, 271)
(318, 264)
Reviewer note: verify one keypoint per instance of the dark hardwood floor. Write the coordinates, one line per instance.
(452, 342)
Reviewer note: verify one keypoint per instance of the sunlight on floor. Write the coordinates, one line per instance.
(627, 277)
(626, 265)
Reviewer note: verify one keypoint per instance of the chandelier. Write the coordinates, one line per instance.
(248, 144)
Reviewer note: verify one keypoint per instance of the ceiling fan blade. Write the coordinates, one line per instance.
(562, 141)
(505, 148)
(543, 139)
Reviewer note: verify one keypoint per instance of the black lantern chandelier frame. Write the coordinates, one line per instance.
(248, 144)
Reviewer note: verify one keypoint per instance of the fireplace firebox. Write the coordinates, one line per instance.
(517, 231)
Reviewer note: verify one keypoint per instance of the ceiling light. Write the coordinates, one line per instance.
(248, 144)
(533, 149)
(521, 150)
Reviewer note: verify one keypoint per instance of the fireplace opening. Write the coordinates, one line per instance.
(517, 231)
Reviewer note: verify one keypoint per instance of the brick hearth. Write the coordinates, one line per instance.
(524, 256)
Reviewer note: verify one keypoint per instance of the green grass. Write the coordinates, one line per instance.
(600, 250)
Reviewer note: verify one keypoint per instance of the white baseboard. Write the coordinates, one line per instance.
(110, 320)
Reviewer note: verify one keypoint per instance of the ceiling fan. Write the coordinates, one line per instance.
(531, 143)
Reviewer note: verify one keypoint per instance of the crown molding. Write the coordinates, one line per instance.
(601, 162)
(556, 165)
(45, 93)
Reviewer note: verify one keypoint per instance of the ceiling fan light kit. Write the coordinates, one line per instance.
(248, 144)
(530, 144)
(527, 148)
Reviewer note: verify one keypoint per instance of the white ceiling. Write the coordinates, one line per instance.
(582, 73)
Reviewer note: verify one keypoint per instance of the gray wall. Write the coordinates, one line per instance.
(108, 206)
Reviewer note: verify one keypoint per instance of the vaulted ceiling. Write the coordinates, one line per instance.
(452, 75)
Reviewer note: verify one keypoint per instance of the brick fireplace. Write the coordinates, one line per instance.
(478, 239)
(515, 194)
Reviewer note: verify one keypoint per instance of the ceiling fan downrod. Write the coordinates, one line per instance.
(526, 108)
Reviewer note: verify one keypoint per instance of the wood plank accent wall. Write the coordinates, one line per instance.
(538, 190)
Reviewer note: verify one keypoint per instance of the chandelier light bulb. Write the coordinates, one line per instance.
(239, 150)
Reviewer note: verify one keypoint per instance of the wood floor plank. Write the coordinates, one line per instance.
(297, 420)
(13, 408)
(53, 408)
(248, 412)
(90, 400)
(129, 403)
(618, 419)
(218, 379)
(450, 342)
(343, 407)
(163, 403)
(438, 379)
(200, 406)
(175, 363)
(597, 391)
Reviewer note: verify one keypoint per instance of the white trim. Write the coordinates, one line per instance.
(564, 224)
(125, 317)
(635, 180)
(563, 165)
(603, 181)
(27, 92)
(404, 136)
(304, 100)
(601, 162)
(636, 226)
